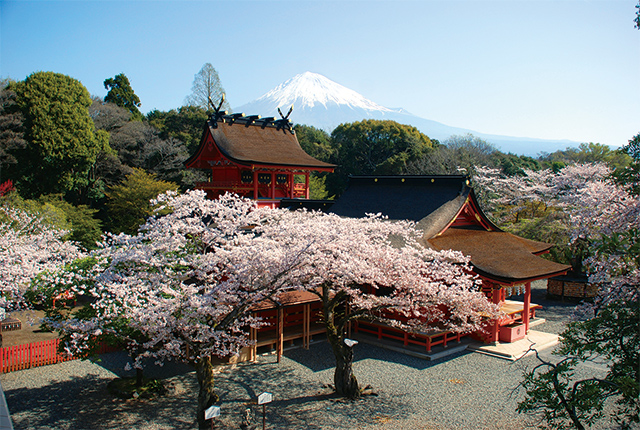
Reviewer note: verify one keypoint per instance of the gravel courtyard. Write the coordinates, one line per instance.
(463, 391)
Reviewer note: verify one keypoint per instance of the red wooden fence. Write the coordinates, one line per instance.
(36, 354)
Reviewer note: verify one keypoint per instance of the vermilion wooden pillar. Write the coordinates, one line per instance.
(280, 336)
(255, 185)
(495, 298)
(273, 186)
(291, 179)
(527, 305)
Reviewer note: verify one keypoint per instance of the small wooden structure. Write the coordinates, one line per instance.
(291, 316)
(572, 287)
(254, 157)
(445, 208)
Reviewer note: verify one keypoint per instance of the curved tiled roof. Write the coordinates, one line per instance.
(500, 255)
(249, 143)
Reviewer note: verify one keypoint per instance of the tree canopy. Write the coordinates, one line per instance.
(207, 86)
(128, 203)
(374, 147)
(11, 126)
(121, 94)
(62, 144)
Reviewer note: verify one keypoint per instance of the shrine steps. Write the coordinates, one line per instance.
(518, 349)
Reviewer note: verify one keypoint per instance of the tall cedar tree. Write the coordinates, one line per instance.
(207, 86)
(121, 94)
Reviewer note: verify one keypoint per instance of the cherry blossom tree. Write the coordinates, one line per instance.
(607, 218)
(29, 247)
(373, 269)
(188, 280)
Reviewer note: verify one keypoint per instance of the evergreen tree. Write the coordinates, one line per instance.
(373, 147)
(11, 126)
(61, 142)
(121, 94)
(128, 203)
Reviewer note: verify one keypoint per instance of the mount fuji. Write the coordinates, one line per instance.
(324, 104)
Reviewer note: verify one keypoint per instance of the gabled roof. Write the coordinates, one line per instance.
(499, 255)
(251, 141)
(431, 201)
(438, 204)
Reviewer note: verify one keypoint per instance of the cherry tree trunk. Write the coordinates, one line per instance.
(206, 395)
(345, 381)
(343, 378)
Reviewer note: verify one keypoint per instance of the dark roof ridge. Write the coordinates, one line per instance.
(250, 120)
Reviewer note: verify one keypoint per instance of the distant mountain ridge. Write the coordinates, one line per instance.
(325, 104)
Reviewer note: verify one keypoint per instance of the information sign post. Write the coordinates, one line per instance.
(263, 399)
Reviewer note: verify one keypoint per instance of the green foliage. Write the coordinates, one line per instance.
(185, 124)
(373, 147)
(129, 203)
(84, 227)
(61, 143)
(49, 214)
(42, 292)
(629, 176)
(317, 188)
(314, 142)
(11, 126)
(140, 144)
(516, 164)
(565, 401)
(121, 94)
(455, 154)
(548, 226)
(562, 402)
(587, 153)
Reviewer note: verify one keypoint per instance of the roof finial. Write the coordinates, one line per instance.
(217, 114)
(284, 123)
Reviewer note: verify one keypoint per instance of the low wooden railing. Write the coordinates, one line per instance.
(19, 357)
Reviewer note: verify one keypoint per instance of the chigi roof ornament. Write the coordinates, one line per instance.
(225, 117)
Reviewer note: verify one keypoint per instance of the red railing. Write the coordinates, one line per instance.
(36, 354)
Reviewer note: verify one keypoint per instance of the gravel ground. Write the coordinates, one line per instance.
(463, 391)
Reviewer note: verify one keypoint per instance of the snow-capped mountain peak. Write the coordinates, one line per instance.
(309, 89)
(324, 104)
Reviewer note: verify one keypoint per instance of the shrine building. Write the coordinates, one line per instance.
(261, 158)
(254, 157)
(446, 210)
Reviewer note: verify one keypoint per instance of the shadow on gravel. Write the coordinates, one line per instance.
(83, 403)
(299, 402)
(319, 357)
(116, 361)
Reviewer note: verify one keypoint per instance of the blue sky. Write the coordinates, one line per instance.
(562, 69)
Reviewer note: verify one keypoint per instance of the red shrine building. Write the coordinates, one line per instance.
(258, 158)
(445, 208)
(261, 159)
